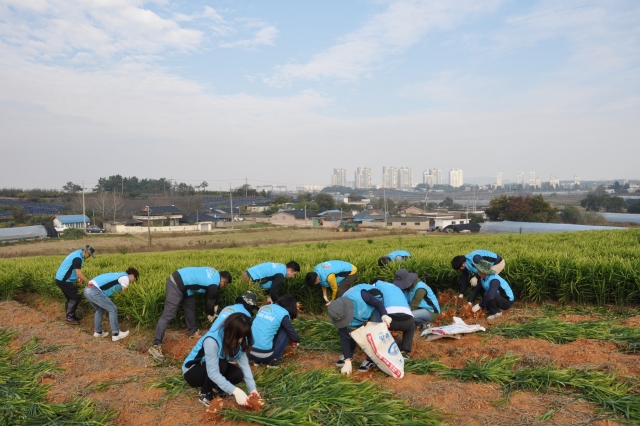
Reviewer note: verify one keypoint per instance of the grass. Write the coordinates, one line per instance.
(324, 397)
(317, 334)
(173, 385)
(23, 397)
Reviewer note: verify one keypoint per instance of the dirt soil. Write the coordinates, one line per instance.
(88, 362)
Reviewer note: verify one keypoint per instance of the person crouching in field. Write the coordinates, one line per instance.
(209, 366)
(98, 292)
(394, 256)
(465, 263)
(497, 295)
(272, 330)
(422, 300)
(68, 273)
(181, 287)
(331, 274)
(269, 276)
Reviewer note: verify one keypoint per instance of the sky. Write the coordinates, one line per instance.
(283, 92)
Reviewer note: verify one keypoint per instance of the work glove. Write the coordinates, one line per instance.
(476, 308)
(255, 392)
(211, 317)
(473, 282)
(461, 296)
(387, 320)
(241, 397)
(346, 368)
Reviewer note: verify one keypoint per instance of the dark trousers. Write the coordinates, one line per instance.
(197, 376)
(70, 291)
(346, 284)
(280, 343)
(174, 299)
(499, 303)
(400, 322)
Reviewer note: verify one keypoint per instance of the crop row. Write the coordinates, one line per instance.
(589, 267)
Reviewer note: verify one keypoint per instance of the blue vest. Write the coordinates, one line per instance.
(263, 273)
(228, 310)
(108, 282)
(483, 253)
(266, 325)
(196, 356)
(401, 253)
(393, 296)
(197, 279)
(66, 271)
(505, 289)
(338, 267)
(361, 311)
(431, 305)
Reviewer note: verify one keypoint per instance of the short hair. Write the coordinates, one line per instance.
(289, 303)
(457, 262)
(293, 265)
(384, 260)
(311, 278)
(226, 275)
(133, 271)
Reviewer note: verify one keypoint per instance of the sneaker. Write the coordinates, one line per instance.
(196, 335)
(156, 352)
(340, 361)
(366, 366)
(120, 335)
(274, 363)
(205, 398)
(405, 355)
(101, 334)
(72, 320)
(494, 316)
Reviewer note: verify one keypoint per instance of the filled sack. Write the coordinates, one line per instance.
(376, 341)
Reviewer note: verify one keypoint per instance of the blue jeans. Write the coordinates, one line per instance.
(102, 303)
(279, 345)
(423, 316)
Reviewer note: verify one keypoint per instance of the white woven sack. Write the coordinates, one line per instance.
(376, 340)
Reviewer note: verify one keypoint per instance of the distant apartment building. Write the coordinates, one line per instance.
(432, 177)
(554, 181)
(339, 177)
(499, 183)
(389, 177)
(455, 178)
(576, 180)
(405, 178)
(532, 179)
(520, 179)
(272, 188)
(363, 178)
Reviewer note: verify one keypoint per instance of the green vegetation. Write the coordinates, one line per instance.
(614, 394)
(22, 397)
(317, 334)
(521, 209)
(324, 397)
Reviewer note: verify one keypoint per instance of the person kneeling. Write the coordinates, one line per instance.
(495, 290)
(208, 365)
(273, 331)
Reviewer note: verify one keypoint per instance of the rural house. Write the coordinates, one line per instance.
(66, 221)
(159, 215)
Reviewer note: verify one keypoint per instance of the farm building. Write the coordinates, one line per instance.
(66, 221)
(258, 207)
(412, 211)
(159, 215)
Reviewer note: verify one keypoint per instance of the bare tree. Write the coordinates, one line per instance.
(116, 201)
(101, 202)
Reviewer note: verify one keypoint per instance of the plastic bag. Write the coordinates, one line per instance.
(376, 341)
(453, 331)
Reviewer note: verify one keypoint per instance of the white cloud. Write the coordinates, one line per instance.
(392, 32)
(265, 36)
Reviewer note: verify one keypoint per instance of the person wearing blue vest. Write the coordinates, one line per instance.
(246, 304)
(394, 256)
(465, 263)
(181, 286)
(352, 311)
(422, 300)
(269, 276)
(272, 331)
(98, 292)
(331, 274)
(209, 366)
(397, 307)
(68, 273)
(496, 292)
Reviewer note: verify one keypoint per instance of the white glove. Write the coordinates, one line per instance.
(346, 368)
(461, 296)
(473, 282)
(215, 310)
(255, 392)
(241, 397)
(211, 317)
(386, 319)
(476, 307)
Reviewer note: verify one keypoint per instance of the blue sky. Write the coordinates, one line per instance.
(284, 92)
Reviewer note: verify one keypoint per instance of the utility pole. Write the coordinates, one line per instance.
(84, 216)
(246, 186)
(122, 190)
(231, 198)
(384, 204)
(149, 223)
